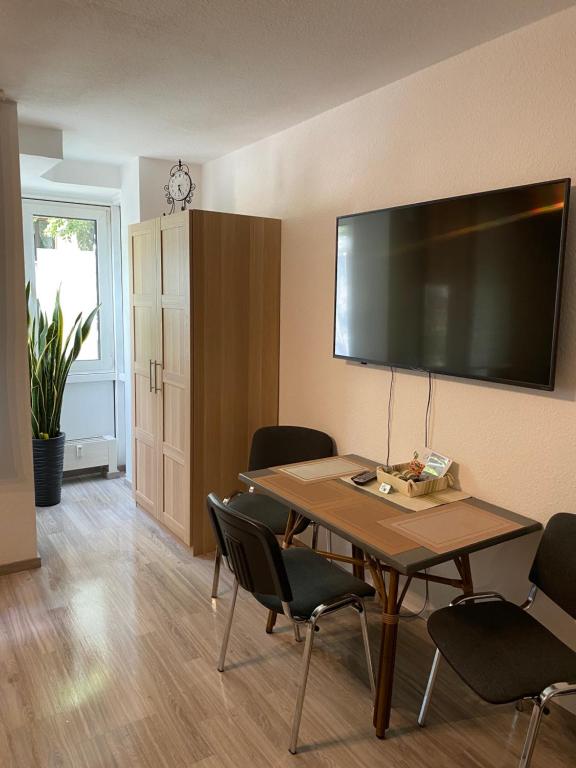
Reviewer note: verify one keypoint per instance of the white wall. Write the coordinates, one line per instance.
(153, 175)
(88, 409)
(498, 115)
(38, 141)
(17, 514)
(130, 214)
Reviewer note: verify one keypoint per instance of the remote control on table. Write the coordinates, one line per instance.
(364, 477)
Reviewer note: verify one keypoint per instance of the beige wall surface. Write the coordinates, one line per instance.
(17, 513)
(498, 115)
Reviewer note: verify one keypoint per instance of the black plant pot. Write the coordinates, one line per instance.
(48, 468)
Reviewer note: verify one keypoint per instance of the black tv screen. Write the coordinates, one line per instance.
(467, 286)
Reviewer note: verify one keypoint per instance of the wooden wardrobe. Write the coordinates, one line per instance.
(205, 319)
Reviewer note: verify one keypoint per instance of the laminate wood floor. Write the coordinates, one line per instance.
(107, 659)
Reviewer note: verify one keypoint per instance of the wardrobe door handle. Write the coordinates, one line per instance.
(156, 366)
(150, 373)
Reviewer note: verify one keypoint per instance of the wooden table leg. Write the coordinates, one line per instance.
(286, 541)
(272, 615)
(289, 532)
(385, 680)
(468, 584)
(357, 554)
(292, 525)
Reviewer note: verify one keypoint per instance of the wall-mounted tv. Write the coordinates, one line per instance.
(466, 286)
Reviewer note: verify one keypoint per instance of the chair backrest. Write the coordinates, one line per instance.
(274, 446)
(554, 567)
(251, 549)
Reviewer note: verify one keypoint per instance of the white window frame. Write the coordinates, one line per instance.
(82, 370)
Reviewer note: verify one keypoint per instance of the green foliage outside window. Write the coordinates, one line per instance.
(83, 229)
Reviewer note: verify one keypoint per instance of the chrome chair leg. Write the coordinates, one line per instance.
(429, 689)
(540, 708)
(226, 637)
(364, 626)
(529, 743)
(216, 579)
(302, 689)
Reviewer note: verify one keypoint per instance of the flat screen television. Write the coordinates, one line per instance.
(467, 286)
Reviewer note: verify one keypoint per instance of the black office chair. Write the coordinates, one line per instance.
(296, 581)
(273, 447)
(501, 651)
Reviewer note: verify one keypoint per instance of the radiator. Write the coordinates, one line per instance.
(92, 452)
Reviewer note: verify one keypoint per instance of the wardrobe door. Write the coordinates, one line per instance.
(174, 374)
(145, 352)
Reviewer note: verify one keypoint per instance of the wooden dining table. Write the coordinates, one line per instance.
(388, 539)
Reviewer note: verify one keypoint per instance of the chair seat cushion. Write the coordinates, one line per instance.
(314, 581)
(501, 651)
(263, 509)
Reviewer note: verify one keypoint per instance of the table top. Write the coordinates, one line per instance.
(403, 539)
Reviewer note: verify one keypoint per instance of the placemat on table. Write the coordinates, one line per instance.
(450, 527)
(322, 469)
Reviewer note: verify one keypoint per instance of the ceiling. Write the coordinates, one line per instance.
(164, 78)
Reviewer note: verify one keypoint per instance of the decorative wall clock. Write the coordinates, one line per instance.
(180, 187)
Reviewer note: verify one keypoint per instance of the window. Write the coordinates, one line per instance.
(67, 248)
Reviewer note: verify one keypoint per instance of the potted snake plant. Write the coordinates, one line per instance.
(50, 357)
